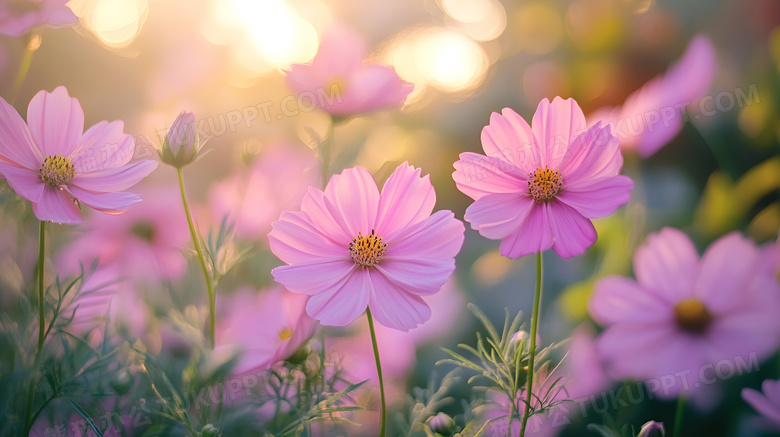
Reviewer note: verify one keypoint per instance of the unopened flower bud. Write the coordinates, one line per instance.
(123, 382)
(210, 430)
(649, 427)
(442, 424)
(181, 144)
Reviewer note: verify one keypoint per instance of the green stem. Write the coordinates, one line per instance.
(383, 411)
(679, 416)
(41, 297)
(33, 43)
(196, 242)
(532, 350)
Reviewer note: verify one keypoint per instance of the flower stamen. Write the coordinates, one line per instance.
(57, 171)
(692, 316)
(367, 251)
(544, 184)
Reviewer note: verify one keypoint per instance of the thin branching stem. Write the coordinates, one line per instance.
(532, 349)
(383, 410)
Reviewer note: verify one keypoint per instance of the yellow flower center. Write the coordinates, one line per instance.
(692, 316)
(285, 333)
(57, 170)
(336, 87)
(544, 184)
(367, 251)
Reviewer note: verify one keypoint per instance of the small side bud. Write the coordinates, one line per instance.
(649, 427)
(210, 430)
(442, 424)
(181, 145)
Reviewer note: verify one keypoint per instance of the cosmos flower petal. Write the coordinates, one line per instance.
(598, 198)
(322, 214)
(728, 264)
(498, 215)
(342, 304)
(56, 122)
(667, 264)
(556, 125)
(314, 277)
(25, 182)
(355, 194)
(115, 178)
(624, 347)
(375, 86)
(57, 206)
(593, 155)
(295, 240)
(406, 200)
(573, 234)
(532, 235)
(762, 404)
(394, 307)
(103, 146)
(618, 299)
(16, 143)
(439, 236)
(509, 138)
(115, 202)
(420, 276)
(477, 176)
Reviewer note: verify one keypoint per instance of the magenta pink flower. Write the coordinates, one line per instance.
(284, 327)
(350, 248)
(146, 244)
(653, 115)
(19, 16)
(53, 163)
(253, 199)
(683, 316)
(539, 186)
(339, 81)
(766, 402)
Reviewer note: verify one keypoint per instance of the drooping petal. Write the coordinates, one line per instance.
(115, 202)
(115, 178)
(438, 236)
(617, 299)
(533, 235)
(16, 143)
(406, 200)
(595, 154)
(355, 194)
(498, 215)
(420, 276)
(314, 277)
(103, 146)
(727, 266)
(668, 265)
(598, 198)
(395, 308)
(57, 206)
(477, 176)
(556, 125)
(293, 239)
(573, 234)
(56, 122)
(24, 182)
(342, 304)
(509, 138)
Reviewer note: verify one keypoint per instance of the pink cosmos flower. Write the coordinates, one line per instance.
(582, 367)
(653, 115)
(266, 327)
(351, 247)
(19, 16)
(340, 83)
(539, 186)
(766, 402)
(51, 161)
(145, 245)
(253, 199)
(683, 315)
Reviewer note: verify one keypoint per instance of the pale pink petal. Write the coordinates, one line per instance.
(323, 215)
(115, 178)
(16, 143)
(406, 200)
(395, 308)
(56, 122)
(597, 198)
(593, 155)
(314, 277)
(555, 125)
(618, 299)
(341, 51)
(355, 194)
(26, 183)
(762, 404)
(573, 234)
(639, 350)
(57, 206)
(533, 235)
(438, 236)
(58, 14)
(109, 203)
(103, 146)
(660, 130)
(497, 215)
(420, 276)
(372, 87)
(343, 303)
(294, 239)
(509, 138)
(668, 265)
(726, 268)
(479, 175)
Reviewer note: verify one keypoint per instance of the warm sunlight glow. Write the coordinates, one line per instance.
(450, 61)
(482, 20)
(115, 22)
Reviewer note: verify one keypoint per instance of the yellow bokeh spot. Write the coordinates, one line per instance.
(538, 28)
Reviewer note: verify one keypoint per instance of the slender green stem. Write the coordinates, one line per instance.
(679, 416)
(325, 152)
(206, 275)
(33, 42)
(383, 411)
(532, 350)
(41, 290)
